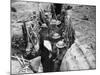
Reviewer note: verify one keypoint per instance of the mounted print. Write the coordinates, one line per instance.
(52, 37)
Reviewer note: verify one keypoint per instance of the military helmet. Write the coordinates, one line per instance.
(55, 22)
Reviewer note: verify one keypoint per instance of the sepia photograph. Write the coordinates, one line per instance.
(51, 37)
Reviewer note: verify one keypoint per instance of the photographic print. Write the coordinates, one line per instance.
(52, 37)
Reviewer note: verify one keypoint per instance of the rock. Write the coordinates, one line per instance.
(15, 67)
(35, 63)
(78, 57)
